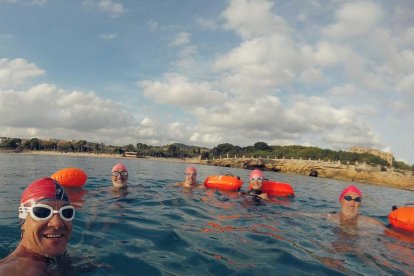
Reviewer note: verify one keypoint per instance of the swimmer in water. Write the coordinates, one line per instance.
(119, 176)
(256, 179)
(46, 218)
(350, 200)
(190, 180)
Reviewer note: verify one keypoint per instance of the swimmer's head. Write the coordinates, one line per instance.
(46, 232)
(350, 189)
(119, 176)
(190, 176)
(43, 189)
(256, 173)
(119, 167)
(190, 170)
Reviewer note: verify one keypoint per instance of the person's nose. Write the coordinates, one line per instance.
(56, 221)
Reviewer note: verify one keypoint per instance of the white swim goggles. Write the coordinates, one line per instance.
(119, 173)
(42, 212)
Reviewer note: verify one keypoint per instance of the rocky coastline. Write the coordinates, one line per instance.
(362, 173)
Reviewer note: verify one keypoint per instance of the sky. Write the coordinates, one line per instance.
(331, 74)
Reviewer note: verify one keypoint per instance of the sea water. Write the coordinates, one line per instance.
(156, 228)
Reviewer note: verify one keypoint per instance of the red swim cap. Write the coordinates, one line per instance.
(350, 189)
(190, 170)
(256, 173)
(43, 188)
(119, 167)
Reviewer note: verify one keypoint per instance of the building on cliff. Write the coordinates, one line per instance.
(387, 156)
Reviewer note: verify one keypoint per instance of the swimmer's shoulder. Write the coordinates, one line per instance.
(178, 184)
(15, 265)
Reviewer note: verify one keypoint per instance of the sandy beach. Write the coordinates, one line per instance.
(103, 155)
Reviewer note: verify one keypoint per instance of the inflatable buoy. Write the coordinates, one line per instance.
(70, 177)
(277, 188)
(402, 217)
(223, 182)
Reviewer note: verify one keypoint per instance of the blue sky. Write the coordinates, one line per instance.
(331, 74)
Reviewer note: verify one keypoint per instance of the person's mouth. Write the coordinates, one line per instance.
(54, 236)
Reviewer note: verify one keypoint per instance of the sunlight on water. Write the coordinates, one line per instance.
(155, 228)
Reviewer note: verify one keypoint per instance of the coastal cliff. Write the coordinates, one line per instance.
(334, 170)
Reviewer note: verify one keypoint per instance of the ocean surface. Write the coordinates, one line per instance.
(156, 228)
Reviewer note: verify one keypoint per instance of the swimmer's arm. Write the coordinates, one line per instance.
(373, 221)
(264, 196)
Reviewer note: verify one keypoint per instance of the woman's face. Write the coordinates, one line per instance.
(47, 237)
(350, 203)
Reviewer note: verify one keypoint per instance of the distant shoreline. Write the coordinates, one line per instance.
(361, 174)
(100, 155)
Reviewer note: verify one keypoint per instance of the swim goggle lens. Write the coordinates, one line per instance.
(118, 173)
(256, 179)
(41, 212)
(349, 198)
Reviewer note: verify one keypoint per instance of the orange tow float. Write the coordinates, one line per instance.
(70, 177)
(278, 188)
(402, 217)
(275, 188)
(223, 182)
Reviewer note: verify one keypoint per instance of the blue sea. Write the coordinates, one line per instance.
(156, 228)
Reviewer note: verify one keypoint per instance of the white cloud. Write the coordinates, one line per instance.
(111, 8)
(268, 119)
(312, 76)
(26, 2)
(207, 23)
(46, 106)
(153, 25)
(108, 36)
(178, 90)
(250, 18)
(181, 38)
(178, 130)
(325, 54)
(406, 85)
(16, 71)
(259, 64)
(409, 36)
(354, 19)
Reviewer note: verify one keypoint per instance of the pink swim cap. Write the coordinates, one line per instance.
(350, 189)
(43, 188)
(119, 167)
(256, 173)
(190, 170)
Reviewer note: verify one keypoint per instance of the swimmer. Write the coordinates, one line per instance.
(256, 179)
(119, 176)
(190, 180)
(350, 200)
(46, 218)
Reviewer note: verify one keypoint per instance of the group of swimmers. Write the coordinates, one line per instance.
(46, 215)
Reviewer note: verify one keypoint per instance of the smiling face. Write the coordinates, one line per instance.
(120, 179)
(190, 178)
(47, 237)
(256, 183)
(350, 208)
